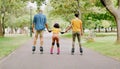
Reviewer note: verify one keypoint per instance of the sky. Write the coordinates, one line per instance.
(43, 5)
(34, 5)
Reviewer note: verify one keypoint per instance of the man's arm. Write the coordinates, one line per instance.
(68, 28)
(46, 25)
(81, 29)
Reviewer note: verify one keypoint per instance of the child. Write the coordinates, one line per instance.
(55, 38)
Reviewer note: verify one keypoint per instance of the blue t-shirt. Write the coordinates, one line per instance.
(39, 21)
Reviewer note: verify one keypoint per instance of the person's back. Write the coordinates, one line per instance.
(39, 21)
(56, 30)
(76, 25)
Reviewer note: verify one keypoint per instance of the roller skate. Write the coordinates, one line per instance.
(41, 50)
(33, 49)
(81, 50)
(72, 51)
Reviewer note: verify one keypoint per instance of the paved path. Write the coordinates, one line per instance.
(23, 58)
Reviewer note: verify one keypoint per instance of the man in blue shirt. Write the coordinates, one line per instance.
(39, 24)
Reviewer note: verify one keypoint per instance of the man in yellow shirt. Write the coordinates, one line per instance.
(77, 31)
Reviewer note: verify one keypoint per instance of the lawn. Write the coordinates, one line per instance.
(104, 44)
(9, 44)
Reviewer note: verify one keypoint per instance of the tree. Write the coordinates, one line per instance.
(12, 7)
(114, 9)
(7, 7)
(106, 24)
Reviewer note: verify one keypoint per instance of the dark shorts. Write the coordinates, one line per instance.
(76, 34)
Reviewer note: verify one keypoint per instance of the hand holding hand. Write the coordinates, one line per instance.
(32, 31)
(62, 32)
(81, 34)
(66, 31)
(49, 31)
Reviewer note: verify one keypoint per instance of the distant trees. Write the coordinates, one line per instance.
(92, 11)
(12, 10)
(113, 6)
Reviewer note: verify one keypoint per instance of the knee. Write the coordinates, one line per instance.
(73, 42)
(53, 43)
(36, 36)
(41, 41)
(35, 39)
(58, 45)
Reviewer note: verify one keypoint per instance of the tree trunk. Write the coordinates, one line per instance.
(106, 30)
(99, 29)
(3, 22)
(2, 28)
(118, 29)
(111, 29)
(1, 31)
(115, 12)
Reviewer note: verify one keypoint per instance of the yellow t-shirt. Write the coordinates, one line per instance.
(56, 30)
(76, 25)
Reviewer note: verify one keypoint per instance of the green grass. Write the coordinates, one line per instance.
(103, 34)
(67, 35)
(104, 44)
(9, 44)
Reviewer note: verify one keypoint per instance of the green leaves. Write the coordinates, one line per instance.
(106, 23)
(64, 8)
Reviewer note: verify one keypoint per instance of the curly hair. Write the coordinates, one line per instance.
(56, 25)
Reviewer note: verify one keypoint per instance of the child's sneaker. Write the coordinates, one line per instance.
(41, 50)
(72, 51)
(81, 50)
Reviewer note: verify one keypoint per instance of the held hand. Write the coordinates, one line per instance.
(49, 31)
(81, 34)
(66, 31)
(32, 31)
(62, 32)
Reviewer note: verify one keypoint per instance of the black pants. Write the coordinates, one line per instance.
(74, 35)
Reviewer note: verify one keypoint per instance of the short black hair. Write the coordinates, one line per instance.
(76, 15)
(56, 25)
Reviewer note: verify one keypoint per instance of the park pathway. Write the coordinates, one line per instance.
(23, 58)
